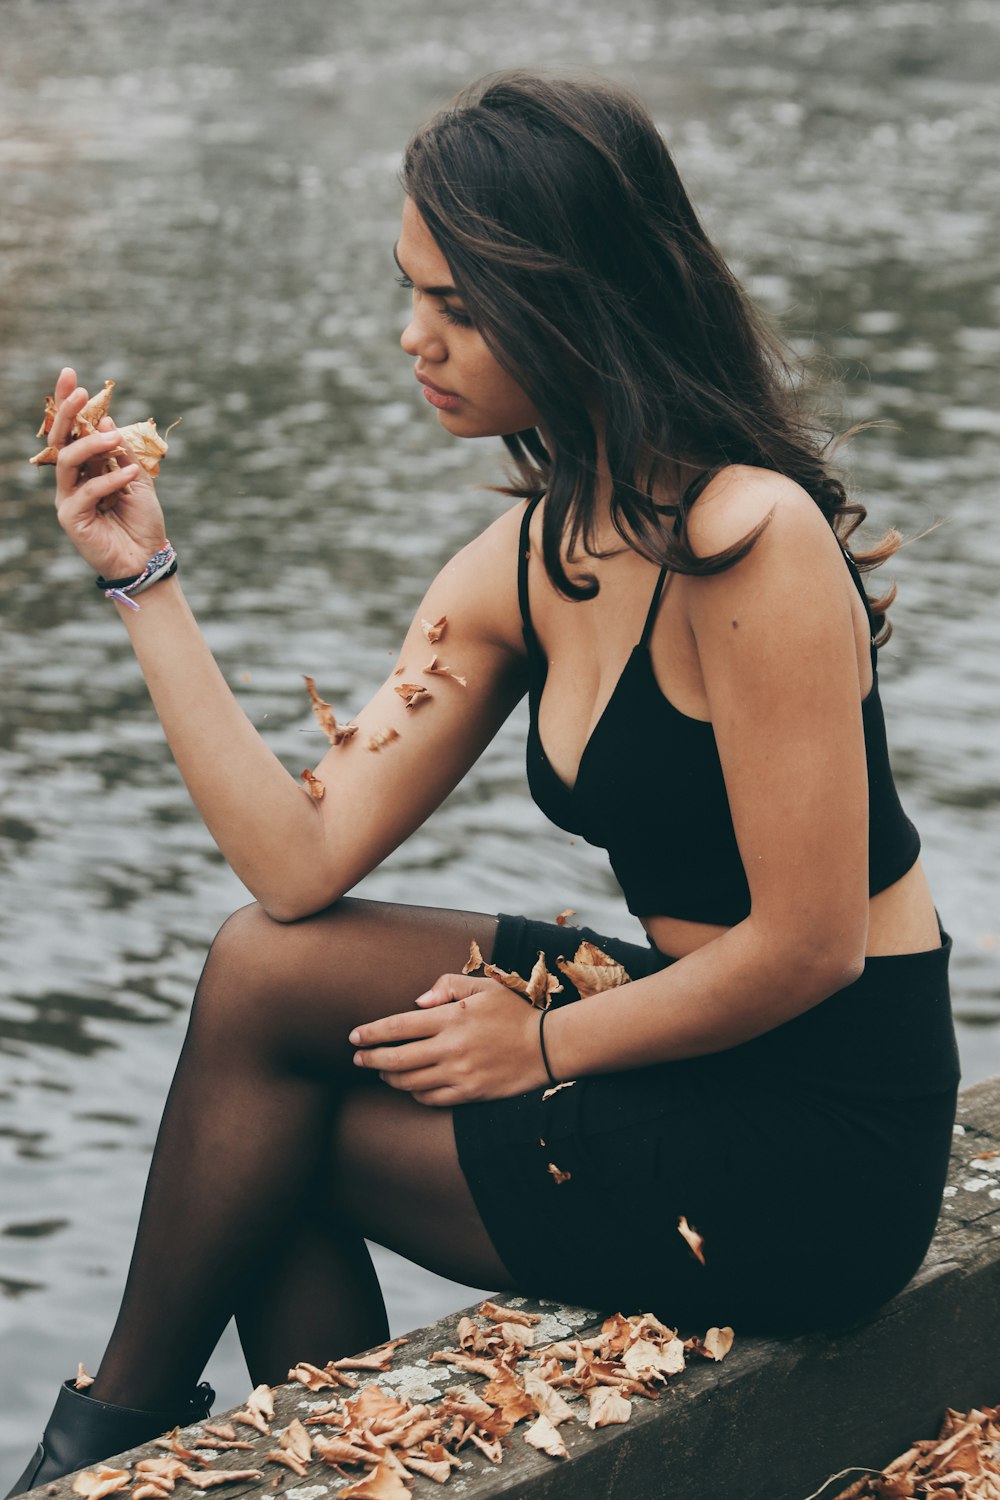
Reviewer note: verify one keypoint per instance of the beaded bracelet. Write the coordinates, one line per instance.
(541, 1042)
(162, 564)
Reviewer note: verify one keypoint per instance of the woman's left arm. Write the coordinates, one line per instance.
(776, 644)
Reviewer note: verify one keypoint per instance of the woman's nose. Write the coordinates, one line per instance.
(419, 341)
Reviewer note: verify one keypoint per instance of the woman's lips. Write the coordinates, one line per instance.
(443, 400)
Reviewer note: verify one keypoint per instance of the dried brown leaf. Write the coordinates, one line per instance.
(509, 1396)
(340, 1450)
(694, 1240)
(289, 1460)
(220, 1429)
(145, 444)
(475, 959)
(493, 1449)
(313, 785)
(463, 1361)
(375, 1359)
(82, 1379)
(413, 694)
(439, 1471)
(568, 1084)
(548, 1402)
(209, 1479)
(592, 971)
(543, 1436)
(438, 669)
(564, 916)
(380, 737)
(93, 1484)
(557, 1173)
(372, 1407)
(508, 1314)
(434, 631)
(336, 733)
(313, 1378)
(718, 1342)
(607, 1406)
(382, 1483)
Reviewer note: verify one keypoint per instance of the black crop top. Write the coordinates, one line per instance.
(650, 788)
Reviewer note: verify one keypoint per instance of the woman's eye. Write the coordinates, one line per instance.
(452, 315)
(405, 282)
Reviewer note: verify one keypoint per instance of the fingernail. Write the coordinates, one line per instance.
(359, 1061)
(354, 1037)
(427, 995)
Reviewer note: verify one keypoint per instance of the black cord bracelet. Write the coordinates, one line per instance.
(541, 1042)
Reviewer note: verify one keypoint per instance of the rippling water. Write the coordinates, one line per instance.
(202, 204)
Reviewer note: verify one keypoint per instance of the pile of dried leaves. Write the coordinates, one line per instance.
(394, 1441)
(963, 1463)
(142, 439)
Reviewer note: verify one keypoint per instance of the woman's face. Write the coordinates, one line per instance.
(472, 394)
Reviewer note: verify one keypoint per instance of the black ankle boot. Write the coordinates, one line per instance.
(83, 1430)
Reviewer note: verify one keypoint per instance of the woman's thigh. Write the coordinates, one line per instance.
(293, 991)
(394, 1174)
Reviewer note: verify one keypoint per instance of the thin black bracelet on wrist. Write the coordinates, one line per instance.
(541, 1042)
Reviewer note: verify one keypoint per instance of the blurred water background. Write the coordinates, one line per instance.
(200, 201)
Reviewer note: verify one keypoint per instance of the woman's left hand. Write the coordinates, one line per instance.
(472, 1039)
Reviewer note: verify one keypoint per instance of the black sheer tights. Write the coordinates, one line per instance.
(276, 1157)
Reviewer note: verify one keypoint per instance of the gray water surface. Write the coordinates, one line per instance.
(201, 202)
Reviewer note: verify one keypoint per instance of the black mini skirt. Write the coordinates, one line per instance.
(811, 1160)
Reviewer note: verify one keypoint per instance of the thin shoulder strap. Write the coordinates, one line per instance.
(523, 554)
(854, 571)
(653, 606)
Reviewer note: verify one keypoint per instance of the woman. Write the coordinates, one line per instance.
(674, 592)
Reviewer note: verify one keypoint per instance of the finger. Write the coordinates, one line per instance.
(66, 415)
(398, 1059)
(85, 500)
(74, 455)
(450, 987)
(408, 1026)
(420, 1080)
(439, 1098)
(65, 384)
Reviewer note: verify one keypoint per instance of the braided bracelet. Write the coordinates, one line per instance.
(541, 1042)
(162, 564)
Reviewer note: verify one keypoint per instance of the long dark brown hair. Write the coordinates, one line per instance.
(583, 264)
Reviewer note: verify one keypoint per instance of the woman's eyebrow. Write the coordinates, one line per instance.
(431, 291)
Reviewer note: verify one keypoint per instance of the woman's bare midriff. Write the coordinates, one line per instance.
(901, 919)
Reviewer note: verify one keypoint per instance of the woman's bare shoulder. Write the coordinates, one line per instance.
(483, 575)
(740, 497)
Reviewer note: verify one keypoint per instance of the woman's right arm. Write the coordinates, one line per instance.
(296, 855)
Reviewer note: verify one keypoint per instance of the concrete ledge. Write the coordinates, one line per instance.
(772, 1422)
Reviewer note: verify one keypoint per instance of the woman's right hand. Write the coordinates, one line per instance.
(113, 519)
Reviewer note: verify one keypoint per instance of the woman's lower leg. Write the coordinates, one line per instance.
(245, 1132)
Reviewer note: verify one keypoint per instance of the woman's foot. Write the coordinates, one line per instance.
(83, 1430)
